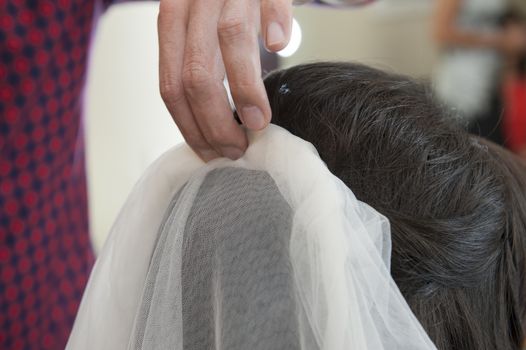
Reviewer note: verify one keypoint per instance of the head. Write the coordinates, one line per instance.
(456, 203)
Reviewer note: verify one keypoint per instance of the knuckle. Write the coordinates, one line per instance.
(196, 141)
(195, 75)
(219, 135)
(244, 86)
(171, 91)
(246, 90)
(232, 28)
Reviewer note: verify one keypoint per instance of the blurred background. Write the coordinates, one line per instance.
(394, 35)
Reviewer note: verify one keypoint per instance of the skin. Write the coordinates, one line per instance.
(201, 41)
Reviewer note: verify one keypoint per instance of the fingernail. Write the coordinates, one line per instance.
(253, 118)
(275, 35)
(232, 152)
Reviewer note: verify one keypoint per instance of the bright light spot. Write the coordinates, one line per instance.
(295, 40)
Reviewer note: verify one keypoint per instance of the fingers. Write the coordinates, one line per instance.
(172, 32)
(203, 75)
(276, 23)
(240, 51)
(191, 79)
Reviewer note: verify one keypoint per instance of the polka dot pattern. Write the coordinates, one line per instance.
(45, 251)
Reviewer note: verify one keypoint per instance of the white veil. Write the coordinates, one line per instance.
(340, 295)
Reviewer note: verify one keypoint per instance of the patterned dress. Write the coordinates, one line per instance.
(45, 250)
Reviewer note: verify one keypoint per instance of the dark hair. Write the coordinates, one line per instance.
(456, 203)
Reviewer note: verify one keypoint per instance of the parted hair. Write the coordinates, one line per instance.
(456, 203)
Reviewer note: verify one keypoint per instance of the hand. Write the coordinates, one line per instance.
(200, 41)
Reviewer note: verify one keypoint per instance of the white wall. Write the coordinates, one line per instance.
(126, 122)
(392, 34)
(128, 126)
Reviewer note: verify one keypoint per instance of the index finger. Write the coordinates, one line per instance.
(171, 22)
(203, 75)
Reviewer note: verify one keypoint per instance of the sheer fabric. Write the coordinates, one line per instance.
(268, 252)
